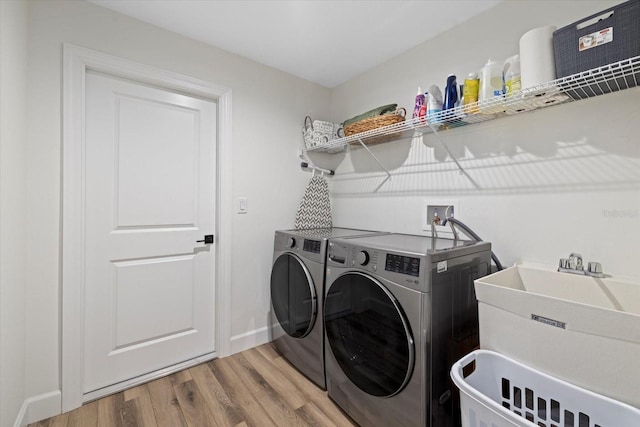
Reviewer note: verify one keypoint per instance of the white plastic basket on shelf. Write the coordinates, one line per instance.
(319, 133)
(501, 392)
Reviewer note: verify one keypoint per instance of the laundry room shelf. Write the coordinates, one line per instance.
(587, 84)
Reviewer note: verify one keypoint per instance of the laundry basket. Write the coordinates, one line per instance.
(501, 392)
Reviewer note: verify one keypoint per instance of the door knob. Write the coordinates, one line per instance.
(208, 239)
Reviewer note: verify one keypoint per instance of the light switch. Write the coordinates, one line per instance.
(242, 205)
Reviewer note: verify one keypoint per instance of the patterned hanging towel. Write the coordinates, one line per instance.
(315, 208)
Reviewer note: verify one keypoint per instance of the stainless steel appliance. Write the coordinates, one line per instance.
(399, 311)
(297, 293)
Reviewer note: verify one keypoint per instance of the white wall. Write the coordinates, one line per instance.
(551, 182)
(13, 126)
(268, 109)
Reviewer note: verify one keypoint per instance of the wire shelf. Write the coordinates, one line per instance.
(587, 84)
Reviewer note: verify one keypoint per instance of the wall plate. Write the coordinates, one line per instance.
(242, 205)
(442, 208)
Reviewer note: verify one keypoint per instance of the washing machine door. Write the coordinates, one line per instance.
(293, 295)
(368, 334)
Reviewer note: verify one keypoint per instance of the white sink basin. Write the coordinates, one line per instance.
(604, 293)
(582, 329)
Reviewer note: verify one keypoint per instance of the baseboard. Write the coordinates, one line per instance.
(40, 407)
(249, 339)
(21, 419)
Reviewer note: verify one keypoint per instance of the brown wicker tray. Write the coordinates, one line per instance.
(374, 123)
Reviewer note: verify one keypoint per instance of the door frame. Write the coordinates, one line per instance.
(76, 62)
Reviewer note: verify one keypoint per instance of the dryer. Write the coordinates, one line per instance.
(399, 311)
(297, 293)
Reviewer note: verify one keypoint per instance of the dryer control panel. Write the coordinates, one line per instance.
(312, 246)
(303, 246)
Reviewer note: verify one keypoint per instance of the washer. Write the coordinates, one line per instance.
(297, 293)
(399, 311)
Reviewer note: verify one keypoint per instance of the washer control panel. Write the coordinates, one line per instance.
(362, 258)
(397, 267)
(402, 264)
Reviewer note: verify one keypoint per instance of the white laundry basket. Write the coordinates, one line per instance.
(501, 392)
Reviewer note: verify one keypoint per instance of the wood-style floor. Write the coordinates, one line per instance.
(254, 388)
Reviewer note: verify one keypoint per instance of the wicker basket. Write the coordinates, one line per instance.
(374, 123)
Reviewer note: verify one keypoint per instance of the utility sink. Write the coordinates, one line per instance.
(582, 329)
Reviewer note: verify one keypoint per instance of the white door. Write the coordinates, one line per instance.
(150, 196)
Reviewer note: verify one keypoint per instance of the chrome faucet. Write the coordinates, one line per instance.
(574, 265)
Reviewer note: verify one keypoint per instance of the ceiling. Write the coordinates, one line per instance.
(327, 42)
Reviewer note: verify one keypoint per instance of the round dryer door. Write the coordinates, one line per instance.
(293, 295)
(368, 334)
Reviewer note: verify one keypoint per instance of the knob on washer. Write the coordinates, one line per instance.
(291, 242)
(362, 258)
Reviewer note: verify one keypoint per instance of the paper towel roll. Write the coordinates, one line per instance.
(537, 63)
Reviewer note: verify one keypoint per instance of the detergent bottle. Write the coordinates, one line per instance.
(512, 81)
(420, 109)
(491, 87)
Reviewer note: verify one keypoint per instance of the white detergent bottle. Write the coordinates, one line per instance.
(512, 75)
(434, 104)
(491, 87)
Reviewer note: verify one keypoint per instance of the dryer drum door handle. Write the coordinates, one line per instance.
(208, 239)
